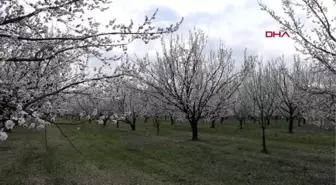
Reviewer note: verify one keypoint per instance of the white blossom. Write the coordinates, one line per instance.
(19, 107)
(81, 114)
(40, 127)
(9, 124)
(95, 112)
(32, 125)
(35, 114)
(21, 121)
(14, 118)
(3, 136)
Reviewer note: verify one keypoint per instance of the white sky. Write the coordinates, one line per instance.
(240, 23)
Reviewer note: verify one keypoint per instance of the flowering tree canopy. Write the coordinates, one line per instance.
(191, 80)
(45, 47)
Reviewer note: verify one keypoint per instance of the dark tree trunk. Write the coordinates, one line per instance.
(221, 120)
(133, 124)
(268, 121)
(304, 121)
(156, 123)
(46, 138)
(105, 121)
(290, 126)
(194, 130)
(117, 124)
(241, 124)
(213, 124)
(157, 129)
(299, 122)
(146, 119)
(264, 150)
(291, 122)
(263, 127)
(133, 127)
(172, 121)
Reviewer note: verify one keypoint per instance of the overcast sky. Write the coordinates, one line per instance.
(239, 23)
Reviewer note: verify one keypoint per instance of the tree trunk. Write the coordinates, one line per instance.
(299, 122)
(268, 121)
(105, 121)
(241, 124)
(46, 138)
(133, 127)
(264, 150)
(133, 124)
(304, 121)
(290, 126)
(117, 124)
(194, 130)
(172, 121)
(146, 119)
(221, 120)
(157, 129)
(213, 123)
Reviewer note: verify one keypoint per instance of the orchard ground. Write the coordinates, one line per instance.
(224, 155)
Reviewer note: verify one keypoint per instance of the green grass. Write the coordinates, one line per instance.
(225, 155)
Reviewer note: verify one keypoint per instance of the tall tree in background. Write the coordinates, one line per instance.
(262, 91)
(188, 78)
(241, 107)
(289, 95)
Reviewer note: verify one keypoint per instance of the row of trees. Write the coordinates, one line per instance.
(44, 72)
(192, 84)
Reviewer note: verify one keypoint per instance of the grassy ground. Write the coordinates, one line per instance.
(225, 155)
